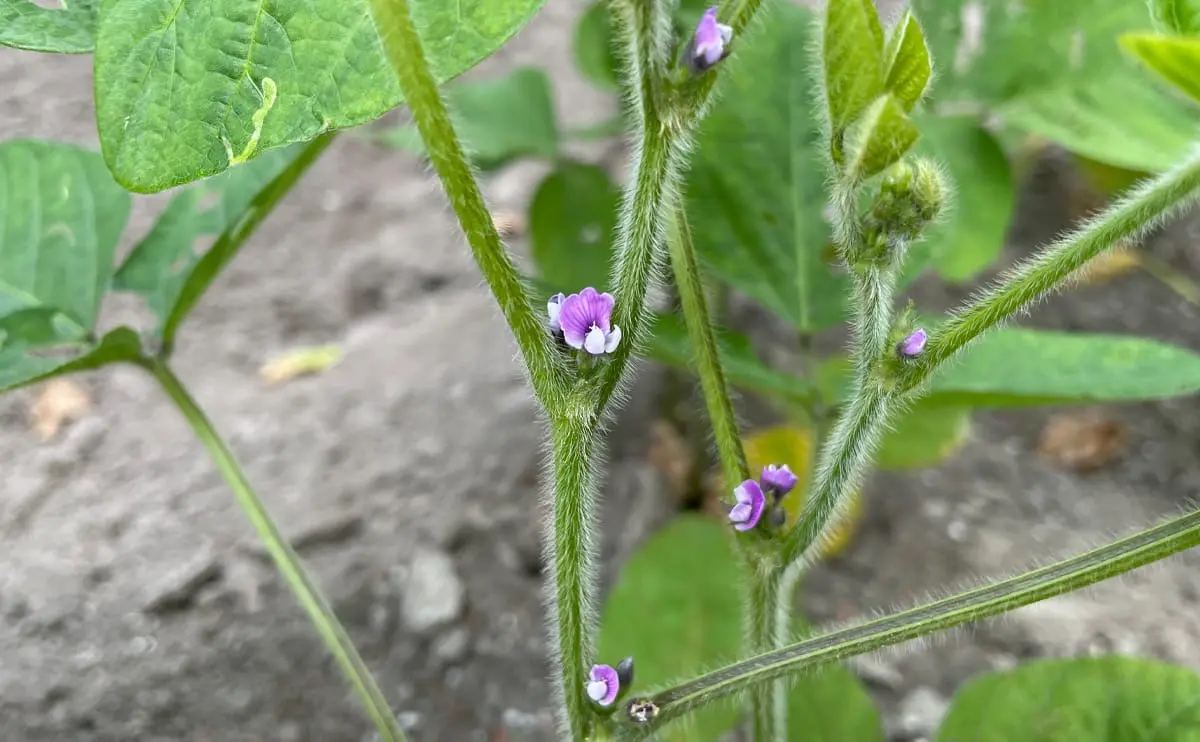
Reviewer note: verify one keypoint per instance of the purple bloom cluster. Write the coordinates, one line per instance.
(751, 496)
(585, 320)
(710, 44)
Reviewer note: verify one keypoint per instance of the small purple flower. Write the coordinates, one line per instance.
(710, 44)
(779, 480)
(586, 321)
(553, 307)
(911, 346)
(749, 508)
(603, 685)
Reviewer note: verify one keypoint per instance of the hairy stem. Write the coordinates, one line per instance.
(286, 560)
(1049, 270)
(769, 719)
(405, 52)
(1077, 572)
(703, 340)
(571, 553)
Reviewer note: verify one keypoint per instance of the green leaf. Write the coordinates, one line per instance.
(1018, 367)
(21, 366)
(926, 434)
(880, 138)
(687, 577)
(1094, 699)
(993, 51)
(593, 49)
(1175, 58)
(184, 87)
(743, 368)
(61, 216)
(1119, 120)
(69, 30)
(831, 705)
(756, 190)
(497, 120)
(853, 59)
(907, 65)
(161, 264)
(971, 236)
(571, 222)
(1176, 16)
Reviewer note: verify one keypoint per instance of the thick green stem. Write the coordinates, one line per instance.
(405, 52)
(1049, 270)
(768, 622)
(286, 560)
(572, 549)
(1077, 572)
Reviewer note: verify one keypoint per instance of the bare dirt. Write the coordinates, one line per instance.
(134, 604)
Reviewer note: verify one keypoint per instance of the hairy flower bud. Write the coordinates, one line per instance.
(911, 196)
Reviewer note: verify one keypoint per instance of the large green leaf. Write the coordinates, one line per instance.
(756, 191)
(69, 30)
(160, 265)
(498, 119)
(677, 609)
(743, 368)
(61, 216)
(971, 236)
(1119, 120)
(852, 57)
(1017, 367)
(571, 222)
(1095, 699)
(184, 86)
(994, 51)
(1176, 16)
(1175, 58)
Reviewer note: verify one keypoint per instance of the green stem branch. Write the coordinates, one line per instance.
(1050, 269)
(1080, 571)
(405, 52)
(285, 558)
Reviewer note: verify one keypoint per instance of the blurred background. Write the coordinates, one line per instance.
(136, 604)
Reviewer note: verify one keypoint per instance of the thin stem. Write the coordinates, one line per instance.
(1049, 270)
(231, 240)
(703, 340)
(405, 51)
(769, 718)
(286, 560)
(571, 545)
(1080, 571)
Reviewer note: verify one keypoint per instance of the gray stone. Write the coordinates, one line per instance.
(433, 592)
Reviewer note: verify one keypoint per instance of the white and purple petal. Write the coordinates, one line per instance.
(553, 307)
(779, 479)
(603, 685)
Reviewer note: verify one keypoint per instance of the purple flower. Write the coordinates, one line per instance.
(603, 685)
(749, 508)
(553, 307)
(710, 43)
(778, 479)
(911, 346)
(586, 321)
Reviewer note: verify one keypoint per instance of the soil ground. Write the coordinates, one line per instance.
(134, 604)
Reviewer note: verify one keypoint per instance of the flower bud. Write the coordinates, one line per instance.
(911, 196)
(625, 673)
